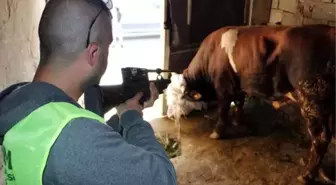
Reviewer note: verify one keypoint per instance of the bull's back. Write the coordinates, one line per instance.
(297, 53)
(307, 51)
(255, 45)
(248, 45)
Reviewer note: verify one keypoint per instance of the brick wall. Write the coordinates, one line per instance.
(299, 12)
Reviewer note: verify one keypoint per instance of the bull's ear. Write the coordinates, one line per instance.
(195, 95)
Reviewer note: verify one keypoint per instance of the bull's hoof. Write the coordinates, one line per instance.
(214, 135)
(324, 177)
(303, 162)
(301, 179)
(306, 180)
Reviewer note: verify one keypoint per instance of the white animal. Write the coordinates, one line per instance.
(177, 106)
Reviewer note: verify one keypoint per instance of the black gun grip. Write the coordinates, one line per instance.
(146, 96)
(142, 100)
(130, 90)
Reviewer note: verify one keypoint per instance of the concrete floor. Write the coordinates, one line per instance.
(269, 156)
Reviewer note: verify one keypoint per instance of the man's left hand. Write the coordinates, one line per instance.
(154, 96)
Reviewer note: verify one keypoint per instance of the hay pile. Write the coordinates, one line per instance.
(170, 143)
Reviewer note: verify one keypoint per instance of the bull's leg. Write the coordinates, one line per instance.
(316, 98)
(239, 109)
(223, 110)
(331, 128)
(320, 135)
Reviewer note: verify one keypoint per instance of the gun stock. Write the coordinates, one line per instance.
(93, 100)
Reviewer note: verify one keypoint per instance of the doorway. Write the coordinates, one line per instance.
(142, 44)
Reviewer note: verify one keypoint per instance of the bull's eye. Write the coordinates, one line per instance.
(195, 95)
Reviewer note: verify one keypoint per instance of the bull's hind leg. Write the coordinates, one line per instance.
(320, 135)
(331, 128)
(316, 98)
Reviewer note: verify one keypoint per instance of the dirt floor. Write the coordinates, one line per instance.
(269, 155)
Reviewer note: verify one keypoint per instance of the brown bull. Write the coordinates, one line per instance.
(270, 62)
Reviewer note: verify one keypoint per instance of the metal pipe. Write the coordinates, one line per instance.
(189, 11)
(250, 12)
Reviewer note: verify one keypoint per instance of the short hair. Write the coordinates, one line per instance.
(66, 27)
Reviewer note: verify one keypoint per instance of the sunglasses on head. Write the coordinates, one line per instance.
(105, 5)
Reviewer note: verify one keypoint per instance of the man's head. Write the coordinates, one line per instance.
(74, 41)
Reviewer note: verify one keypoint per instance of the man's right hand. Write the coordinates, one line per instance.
(131, 104)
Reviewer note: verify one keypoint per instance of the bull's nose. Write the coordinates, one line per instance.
(186, 97)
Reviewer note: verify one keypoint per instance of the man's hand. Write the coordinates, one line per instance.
(154, 95)
(133, 103)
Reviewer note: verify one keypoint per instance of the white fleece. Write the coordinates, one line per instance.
(177, 106)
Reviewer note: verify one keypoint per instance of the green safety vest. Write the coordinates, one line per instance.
(26, 146)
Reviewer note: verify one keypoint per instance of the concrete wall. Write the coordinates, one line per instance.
(18, 39)
(18, 43)
(300, 12)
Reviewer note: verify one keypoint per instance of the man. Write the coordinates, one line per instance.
(49, 139)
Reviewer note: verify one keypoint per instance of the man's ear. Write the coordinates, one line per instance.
(195, 95)
(92, 53)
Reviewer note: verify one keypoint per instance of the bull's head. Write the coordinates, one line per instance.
(178, 103)
(192, 95)
(198, 88)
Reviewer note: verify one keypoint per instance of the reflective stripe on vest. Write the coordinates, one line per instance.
(27, 145)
